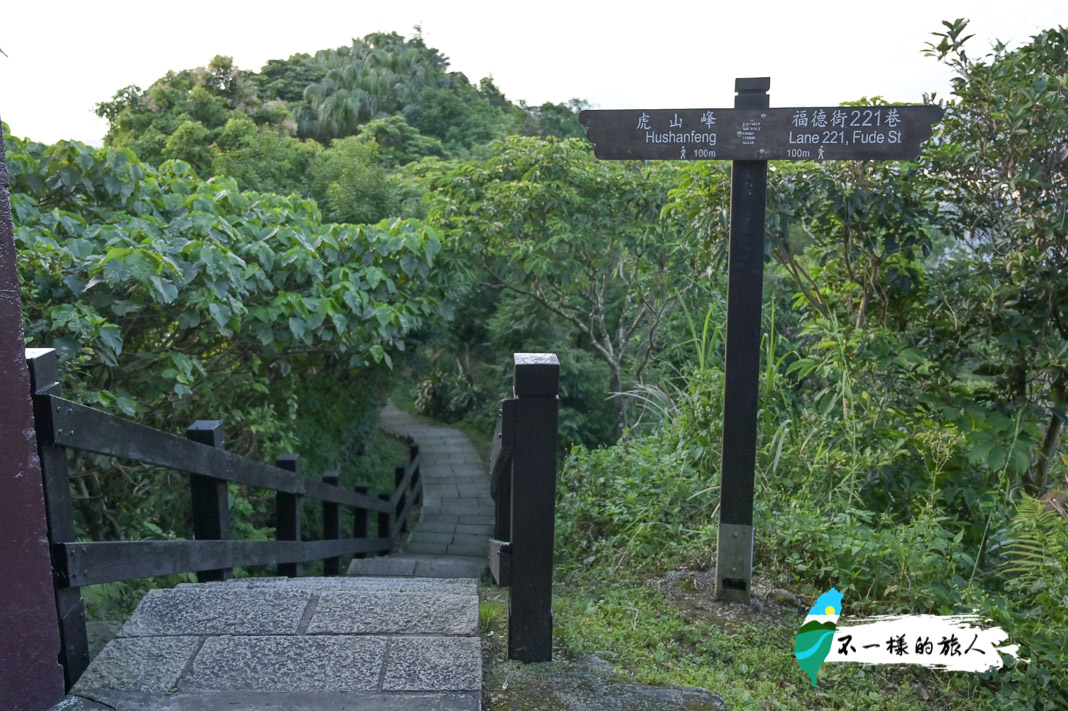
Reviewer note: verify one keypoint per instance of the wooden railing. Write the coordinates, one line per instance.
(523, 485)
(63, 425)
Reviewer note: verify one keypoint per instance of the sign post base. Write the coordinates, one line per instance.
(734, 563)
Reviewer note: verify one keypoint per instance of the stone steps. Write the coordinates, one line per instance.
(451, 537)
(317, 643)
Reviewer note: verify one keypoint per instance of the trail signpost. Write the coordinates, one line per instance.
(750, 134)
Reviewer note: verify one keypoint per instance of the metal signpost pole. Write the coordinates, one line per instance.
(745, 274)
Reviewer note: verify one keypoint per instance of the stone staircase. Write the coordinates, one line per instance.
(399, 633)
(451, 538)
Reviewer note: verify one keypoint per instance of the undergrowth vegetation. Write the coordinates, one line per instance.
(883, 503)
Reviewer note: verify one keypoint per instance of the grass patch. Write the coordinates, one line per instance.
(748, 661)
(492, 614)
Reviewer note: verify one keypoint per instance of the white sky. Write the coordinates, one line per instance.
(63, 57)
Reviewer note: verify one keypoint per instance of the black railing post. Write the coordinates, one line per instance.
(331, 526)
(287, 507)
(383, 519)
(413, 453)
(537, 382)
(359, 518)
(398, 477)
(74, 654)
(211, 499)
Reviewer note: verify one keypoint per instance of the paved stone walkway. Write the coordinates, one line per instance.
(367, 644)
(401, 635)
(451, 538)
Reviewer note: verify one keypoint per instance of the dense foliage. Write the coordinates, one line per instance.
(266, 128)
(172, 299)
(370, 208)
(577, 238)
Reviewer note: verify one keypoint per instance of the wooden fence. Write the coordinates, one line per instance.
(64, 425)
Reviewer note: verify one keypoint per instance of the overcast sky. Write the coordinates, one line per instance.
(63, 57)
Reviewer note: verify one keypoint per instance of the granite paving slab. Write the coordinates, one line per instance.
(218, 610)
(392, 612)
(356, 643)
(287, 664)
(433, 663)
(143, 664)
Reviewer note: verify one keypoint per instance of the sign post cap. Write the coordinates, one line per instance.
(752, 84)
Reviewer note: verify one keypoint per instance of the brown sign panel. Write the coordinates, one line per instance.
(806, 133)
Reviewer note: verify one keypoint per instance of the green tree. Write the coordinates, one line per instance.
(459, 116)
(263, 160)
(351, 185)
(380, 75)
(169, 297)
(581, 239)
(398, 142)
(385, 75)
(549, 119)
(849, 234)
(189, 143)
(286, 79)
(1003, 164)
(183, 113)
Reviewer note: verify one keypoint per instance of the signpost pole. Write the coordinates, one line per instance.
(745, 273)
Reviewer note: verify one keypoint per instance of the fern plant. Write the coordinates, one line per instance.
(1038, 556)
(1040, 546)
(1036, 610)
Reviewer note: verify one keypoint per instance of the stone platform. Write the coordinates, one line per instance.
(360, 644)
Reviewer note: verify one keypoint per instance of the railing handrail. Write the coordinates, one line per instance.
(80, 427)
(93, 562)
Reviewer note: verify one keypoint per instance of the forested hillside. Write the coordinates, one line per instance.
(281, 248)
(280, 129)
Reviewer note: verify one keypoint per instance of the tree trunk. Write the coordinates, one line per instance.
(621, 403)
(91, 503)
(1040, 474)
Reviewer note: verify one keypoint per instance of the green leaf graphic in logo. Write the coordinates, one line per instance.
(813, 641)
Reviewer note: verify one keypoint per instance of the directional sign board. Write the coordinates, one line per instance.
(808, 133)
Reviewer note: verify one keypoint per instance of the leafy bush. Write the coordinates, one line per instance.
(172, 299)
(448, 395)
(628, 506)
